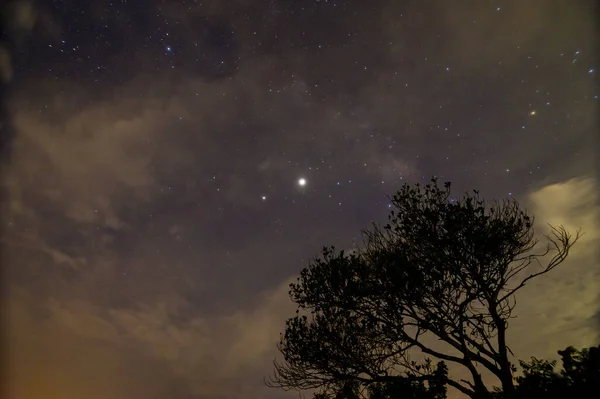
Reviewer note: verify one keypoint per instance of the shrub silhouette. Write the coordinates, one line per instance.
(579, 377)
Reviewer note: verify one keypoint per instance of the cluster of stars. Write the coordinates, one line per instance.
(166, 44)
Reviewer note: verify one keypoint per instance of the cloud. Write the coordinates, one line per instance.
(210, 351)
(48, 358)
(560, 308)
(103, 156)
(79, 321)
(482, 35)
(85, 158)
(20, 18)
(209, 357)
(6, 69)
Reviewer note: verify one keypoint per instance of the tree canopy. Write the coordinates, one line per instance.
(442, 270)
(578, 378)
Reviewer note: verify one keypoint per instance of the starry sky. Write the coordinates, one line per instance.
(168, 168)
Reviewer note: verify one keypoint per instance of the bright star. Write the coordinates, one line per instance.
(302, 182)
(264, 197)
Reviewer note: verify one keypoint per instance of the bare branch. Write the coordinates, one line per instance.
(562, 243)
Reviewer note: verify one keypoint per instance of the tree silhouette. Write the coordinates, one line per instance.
(402, 387)
(442, 268)
(579, 377)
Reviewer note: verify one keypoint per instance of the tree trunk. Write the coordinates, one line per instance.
(508, 386)
(506, 377)
(481, 390)
(485, 394)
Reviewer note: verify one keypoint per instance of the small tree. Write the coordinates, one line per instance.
(444, 268)
(579, 377)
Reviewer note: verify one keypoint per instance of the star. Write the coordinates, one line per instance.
(264, 198)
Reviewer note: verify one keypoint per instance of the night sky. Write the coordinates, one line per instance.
(169, 166)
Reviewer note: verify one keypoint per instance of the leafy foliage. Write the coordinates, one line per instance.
(579, 377)
(405, 388)
(444, 268)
